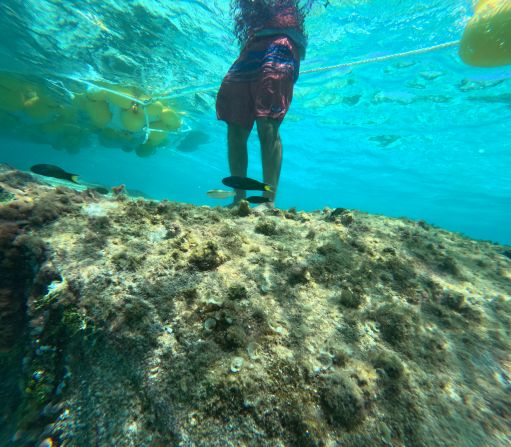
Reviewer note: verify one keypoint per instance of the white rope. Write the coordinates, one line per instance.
(333, 67)
(122, 95)
(305, 72)
(150, 101)
(147, 129)
(383, 58)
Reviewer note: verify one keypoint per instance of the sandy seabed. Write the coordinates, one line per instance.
(129, 322)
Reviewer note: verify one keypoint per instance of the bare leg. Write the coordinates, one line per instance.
(271, 153)
(237, 137)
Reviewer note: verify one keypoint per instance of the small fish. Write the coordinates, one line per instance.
(245, 183)
(257, 199)
(220, 194)
(55, 172)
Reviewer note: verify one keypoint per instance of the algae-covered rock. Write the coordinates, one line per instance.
(342, 402)
(133, 322)
(267, 227)
(207, 257)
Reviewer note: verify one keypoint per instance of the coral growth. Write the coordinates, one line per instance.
(132, 322)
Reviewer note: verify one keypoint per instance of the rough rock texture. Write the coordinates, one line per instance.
(139, 323)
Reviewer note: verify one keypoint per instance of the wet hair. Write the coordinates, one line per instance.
(249, 15)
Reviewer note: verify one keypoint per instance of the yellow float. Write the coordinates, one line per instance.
(145, 150)
(171, 119)
(155, 110)
(114, 138)
(98, 112)
(486, 41)
(40, 109)
(133, 119)
(53, 128)
(116, 115)
(123, 97)
(10, 100)
(157, 138)
(11, 82)
(97, 94)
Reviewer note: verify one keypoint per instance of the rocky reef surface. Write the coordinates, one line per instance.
(140, 323)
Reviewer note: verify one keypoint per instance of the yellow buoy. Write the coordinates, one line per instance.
(158, 138)
(10, 82)
(155, 139)
(115, 138)
(133, 119)
(122, 99)
(67, 113)
(60, 127)
(54, 127)
(78, 101)
(486, 41)
(10, 101)
(154, 110)
(145, 150)
(97, 94)
(170, 118)
(38, 109)
(98, 111)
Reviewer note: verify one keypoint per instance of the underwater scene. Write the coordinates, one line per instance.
(276, 223)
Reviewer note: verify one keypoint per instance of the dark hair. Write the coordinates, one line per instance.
(249, 15)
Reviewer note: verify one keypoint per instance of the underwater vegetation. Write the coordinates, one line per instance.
(135, 322)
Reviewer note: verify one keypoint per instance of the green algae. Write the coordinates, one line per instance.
(6, 196)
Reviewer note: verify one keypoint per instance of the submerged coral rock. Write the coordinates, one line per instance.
(237, 292)
(5, 196)
(267, 227)
(453, 300)
(242, 209)
(133, 322)
(207, 257)
(398, 323)
(342, 402)
(353, 299)
(390, 364)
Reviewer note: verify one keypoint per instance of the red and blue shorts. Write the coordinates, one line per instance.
(260, 82)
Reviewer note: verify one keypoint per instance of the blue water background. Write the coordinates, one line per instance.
(422, 136)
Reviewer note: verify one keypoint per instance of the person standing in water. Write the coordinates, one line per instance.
(259, 85)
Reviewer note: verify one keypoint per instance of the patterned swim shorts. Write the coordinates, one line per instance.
(260, 82)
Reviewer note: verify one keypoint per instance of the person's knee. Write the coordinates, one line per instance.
(238, 134)
(266, 124)
(268, 129)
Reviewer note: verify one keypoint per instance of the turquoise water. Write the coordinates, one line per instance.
(421, 136)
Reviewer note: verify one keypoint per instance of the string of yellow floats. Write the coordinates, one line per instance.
(120, 115)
